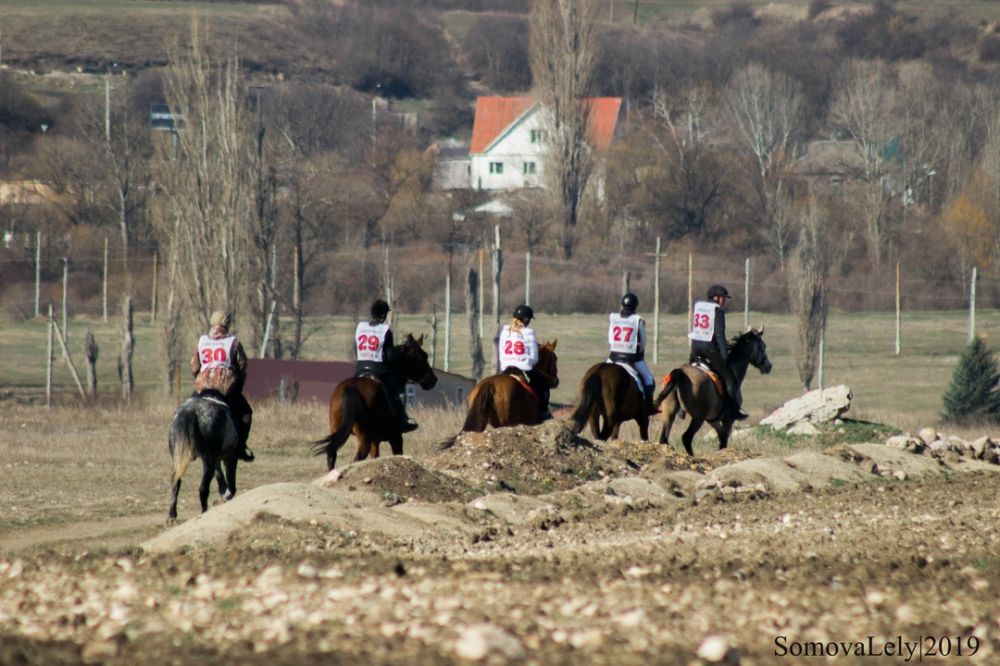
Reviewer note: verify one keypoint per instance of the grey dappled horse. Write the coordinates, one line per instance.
(203, 427)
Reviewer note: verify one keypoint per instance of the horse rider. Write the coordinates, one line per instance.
(517, 349)
(220, 364)
(627, 342)
(375, 354)
(708, 344)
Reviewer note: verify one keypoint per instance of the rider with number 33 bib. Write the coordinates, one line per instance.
(627, 342)
(374, 346)
(517, 349)
(708, 343)
(220, 364)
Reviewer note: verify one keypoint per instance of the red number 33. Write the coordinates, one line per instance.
(701, 321)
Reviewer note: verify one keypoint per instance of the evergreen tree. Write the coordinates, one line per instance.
(973, 395)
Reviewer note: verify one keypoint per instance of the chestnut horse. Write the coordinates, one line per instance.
(689, 387)
(502, 400)
(609, 397)
(358, 406)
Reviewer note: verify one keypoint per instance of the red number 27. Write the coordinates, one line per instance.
(627, 330)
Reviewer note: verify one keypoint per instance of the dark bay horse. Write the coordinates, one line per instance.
(358, 406)
(690, 388)
(203, 427)
(502, 400)
(609, 397)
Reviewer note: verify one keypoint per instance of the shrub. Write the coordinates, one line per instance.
(972, 395)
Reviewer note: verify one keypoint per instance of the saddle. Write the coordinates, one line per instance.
(633, 373)
(522, 378)
(720, 388)
(212, 395)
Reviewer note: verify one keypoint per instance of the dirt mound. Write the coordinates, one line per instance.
(526, 460)
(400, 478)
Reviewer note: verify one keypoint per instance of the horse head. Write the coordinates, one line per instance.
(751, 346)
(548, 362)
(414, 364)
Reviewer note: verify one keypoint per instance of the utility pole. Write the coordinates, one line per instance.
(656, 301)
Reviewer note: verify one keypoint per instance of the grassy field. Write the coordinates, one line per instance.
(904, 390)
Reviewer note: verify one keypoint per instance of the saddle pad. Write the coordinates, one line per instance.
(631, 371)
(716, 380)
(524, 382)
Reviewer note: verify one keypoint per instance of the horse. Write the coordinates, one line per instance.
(502, 400)
(203, 427)
(359, 406)
(689, 387)
(609, 393)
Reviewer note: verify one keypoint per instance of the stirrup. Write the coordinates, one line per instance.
(408, 426)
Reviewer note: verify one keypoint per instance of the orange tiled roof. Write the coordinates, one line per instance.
(495, 114)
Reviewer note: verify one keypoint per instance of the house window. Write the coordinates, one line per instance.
(537, 136)
(496, 167)
(529, 168)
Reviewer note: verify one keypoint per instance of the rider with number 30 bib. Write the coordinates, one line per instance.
(517, 349)
(708, 343)
(627, 342)
(374, 346)
(220, 364)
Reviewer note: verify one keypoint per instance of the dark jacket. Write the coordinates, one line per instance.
(718, 345)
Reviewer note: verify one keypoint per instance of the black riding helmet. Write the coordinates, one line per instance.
(630, 302)
(524, 314)
(717, 290)
(380, 309)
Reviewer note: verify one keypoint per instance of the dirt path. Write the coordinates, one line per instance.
(110, 533)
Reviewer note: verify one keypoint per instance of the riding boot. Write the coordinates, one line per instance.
(543, 399)
(406, 424)
(648, 390)
(243, 433)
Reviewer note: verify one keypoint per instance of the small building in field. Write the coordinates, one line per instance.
(302, 381)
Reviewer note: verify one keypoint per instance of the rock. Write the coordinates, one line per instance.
(928, 435)
(818, 406)
(899, 475)
(481, 640)
(938, 445)
(803, 428)
(714, 649)
(898, 441)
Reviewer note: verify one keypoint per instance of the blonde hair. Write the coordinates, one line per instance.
(516, 325)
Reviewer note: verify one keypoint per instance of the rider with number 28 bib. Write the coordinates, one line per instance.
(374, 346)
(220, 364)
(517, 349)
(708, 343)
(627, 342)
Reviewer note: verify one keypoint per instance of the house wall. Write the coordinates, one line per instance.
(513, 149)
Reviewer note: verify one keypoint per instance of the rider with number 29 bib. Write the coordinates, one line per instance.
(708, 343)
(374, 346)
(627, 342)
(220, 365)
(517, 349)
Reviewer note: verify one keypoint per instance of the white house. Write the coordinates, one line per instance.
(509, 136)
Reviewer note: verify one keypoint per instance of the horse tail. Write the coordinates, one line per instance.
(669, 385)
(590, 396)
(478, 416)
(185, 440)
(352, 405)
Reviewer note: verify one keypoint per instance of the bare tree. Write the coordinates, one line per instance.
(768, 110)
(564, 52)
(864, 108)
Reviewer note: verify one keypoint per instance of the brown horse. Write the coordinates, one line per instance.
(359, 406)
(609, 397)
(502, 400)
(690, 388)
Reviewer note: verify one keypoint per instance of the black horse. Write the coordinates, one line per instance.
(689, 387)
(203, 427)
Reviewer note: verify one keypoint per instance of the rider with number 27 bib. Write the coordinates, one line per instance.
(627, 342)
(708, 343)
(517, 349)
(374, 346)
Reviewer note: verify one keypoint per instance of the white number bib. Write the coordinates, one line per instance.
(623, 334)
(215, 353)
(703, 321)
(513, 351)
(369, 340)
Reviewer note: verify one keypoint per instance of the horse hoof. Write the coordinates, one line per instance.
(228, 496)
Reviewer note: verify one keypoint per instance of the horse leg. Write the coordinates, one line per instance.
(396, 442)
(643, 422)
(364, 448)
(615, 428)
(331, 458)
(688, 436)
(207, 472)
(374, 450)
(669, 414)
(220, 479)
(723, 429)
(231, 462)
(594, 420)
(172, 512)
